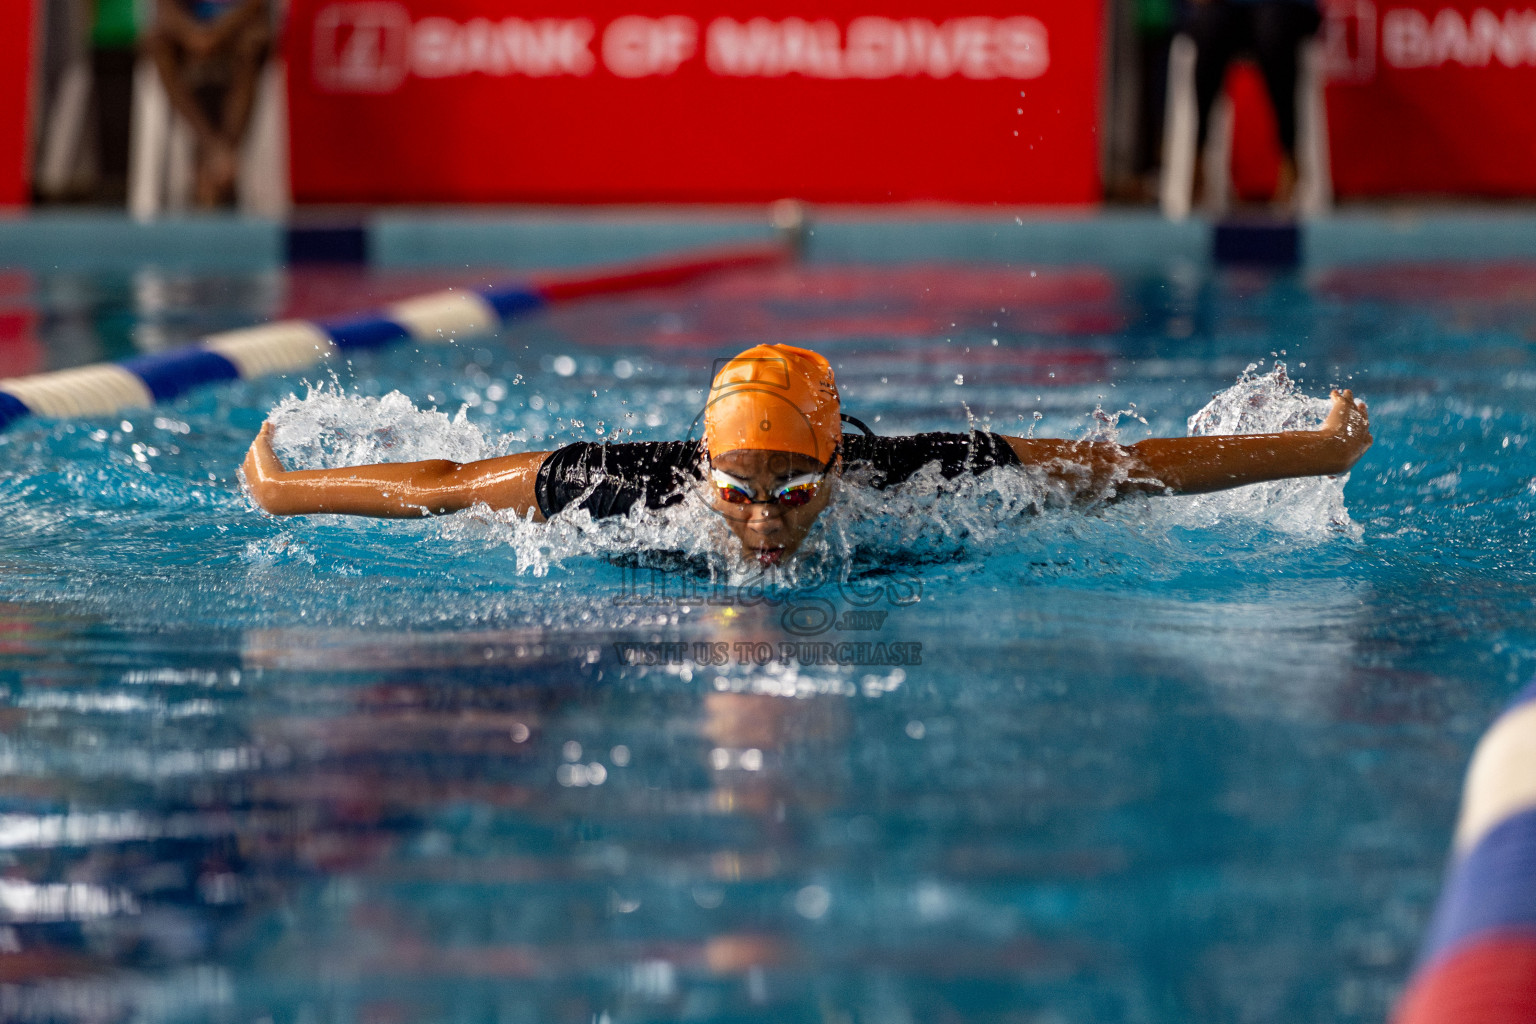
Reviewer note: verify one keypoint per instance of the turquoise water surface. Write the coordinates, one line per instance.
(1169, 760)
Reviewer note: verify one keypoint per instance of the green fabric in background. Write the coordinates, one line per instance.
(1155, 15)
(116, 25)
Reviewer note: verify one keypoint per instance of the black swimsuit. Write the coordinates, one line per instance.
(611, 479)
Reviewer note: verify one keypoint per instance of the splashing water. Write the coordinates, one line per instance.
(925, 520)
(327, 428)
(1311, 507)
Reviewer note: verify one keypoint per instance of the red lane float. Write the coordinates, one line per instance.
(659, 274)
(1491, 982)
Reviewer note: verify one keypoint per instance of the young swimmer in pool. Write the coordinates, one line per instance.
(774, 454)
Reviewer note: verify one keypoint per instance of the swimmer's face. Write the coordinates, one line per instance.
(769, 531)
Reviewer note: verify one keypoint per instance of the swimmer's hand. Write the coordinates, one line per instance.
(1349, 427)
(396, 490)
(262, 473)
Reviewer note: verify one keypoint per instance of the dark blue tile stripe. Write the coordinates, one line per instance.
(169, 374)
(1492, 888)
(1266, 245)
(327, 243)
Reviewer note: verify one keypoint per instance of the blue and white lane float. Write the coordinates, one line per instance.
(1479, 960)
(288, 346)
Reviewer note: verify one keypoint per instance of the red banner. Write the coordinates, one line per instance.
(1431, 96)
(880, 101)
(15, 77)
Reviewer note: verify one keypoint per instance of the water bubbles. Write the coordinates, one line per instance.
(571, 751)
(623, 369)
(916, 730)
(619, 755)
(564, 365)
(579, 776)
(173, 426)
(812, 902)
(933, 902)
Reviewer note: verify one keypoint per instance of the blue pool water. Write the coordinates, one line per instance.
(1169, 761)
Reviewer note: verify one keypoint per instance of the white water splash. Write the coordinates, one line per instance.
(1261, 404)
(326, 428)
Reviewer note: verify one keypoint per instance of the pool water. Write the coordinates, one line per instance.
(1166, 760)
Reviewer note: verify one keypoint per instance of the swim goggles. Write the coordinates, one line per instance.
(794, 493)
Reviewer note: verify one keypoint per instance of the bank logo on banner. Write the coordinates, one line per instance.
(1411, 38)
(1414, 39)
(362, 47)
(980, 48)
(373, 46)
(1349, 41)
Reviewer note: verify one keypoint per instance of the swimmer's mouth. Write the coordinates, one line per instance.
(768, 556)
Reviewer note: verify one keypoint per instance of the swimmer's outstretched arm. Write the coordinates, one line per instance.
(396, 490)
(1196, 465)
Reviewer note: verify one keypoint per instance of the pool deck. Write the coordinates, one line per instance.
(81, 240)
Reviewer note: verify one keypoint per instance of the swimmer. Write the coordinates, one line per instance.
(774, 454)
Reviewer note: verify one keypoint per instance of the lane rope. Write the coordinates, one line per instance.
(1478, 962)
(288, 346)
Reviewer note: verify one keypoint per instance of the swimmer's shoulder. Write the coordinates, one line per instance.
(893, 460)
(632, 456)
(610, 478)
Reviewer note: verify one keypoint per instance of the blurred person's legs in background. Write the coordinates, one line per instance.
(1154, 32)
(1279, 28)
(114, 41)
(210, 55)
(1271, 30)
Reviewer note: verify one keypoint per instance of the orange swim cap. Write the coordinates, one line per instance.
(774, 398)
